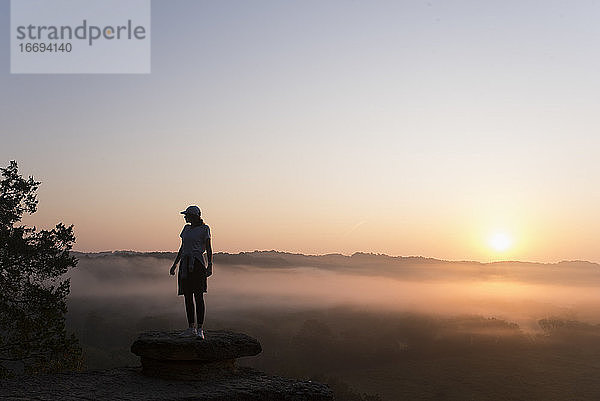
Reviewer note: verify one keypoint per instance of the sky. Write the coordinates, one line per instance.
(399, 127)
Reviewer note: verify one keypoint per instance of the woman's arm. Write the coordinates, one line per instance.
(209, 257)
(176, 260)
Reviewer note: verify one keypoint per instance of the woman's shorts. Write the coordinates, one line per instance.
(195, 282)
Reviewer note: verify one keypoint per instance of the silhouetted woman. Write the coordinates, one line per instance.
(191, 280)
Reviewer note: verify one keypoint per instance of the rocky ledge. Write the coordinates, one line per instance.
(168, 355)
(173, 368)
(129, 384)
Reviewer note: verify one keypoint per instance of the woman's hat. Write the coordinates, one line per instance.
(192, 210)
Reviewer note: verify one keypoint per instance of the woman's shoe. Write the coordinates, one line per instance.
(189, 332)
(200, 333)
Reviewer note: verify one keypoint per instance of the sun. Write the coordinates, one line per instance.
(500, 242)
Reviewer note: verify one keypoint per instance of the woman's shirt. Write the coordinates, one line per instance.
(194, 241)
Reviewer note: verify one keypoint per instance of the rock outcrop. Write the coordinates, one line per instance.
(173, 368)
(168, 355)
(129, 384)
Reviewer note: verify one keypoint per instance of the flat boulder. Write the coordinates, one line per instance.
(170, 355)
(217, 345)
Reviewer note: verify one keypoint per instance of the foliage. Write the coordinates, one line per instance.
(33, 337)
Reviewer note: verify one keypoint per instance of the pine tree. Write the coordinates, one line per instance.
(33, 290)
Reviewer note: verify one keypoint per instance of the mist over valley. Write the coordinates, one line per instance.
(394, 326)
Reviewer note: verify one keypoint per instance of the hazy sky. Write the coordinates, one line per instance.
(401, 127)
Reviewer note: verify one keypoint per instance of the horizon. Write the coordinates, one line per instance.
(117, 251)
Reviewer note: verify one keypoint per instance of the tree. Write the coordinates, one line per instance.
(33, 290)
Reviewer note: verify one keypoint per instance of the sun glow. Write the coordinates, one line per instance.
(500, 242)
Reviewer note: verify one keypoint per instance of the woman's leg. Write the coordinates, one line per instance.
(199, 308)
(189, 309)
